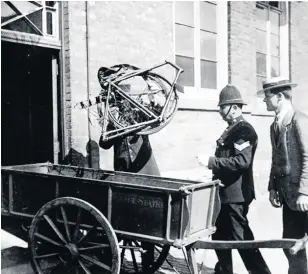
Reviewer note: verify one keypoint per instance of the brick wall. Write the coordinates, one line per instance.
(75, 80)
(299, 52)
(242, 49)
(138, 33)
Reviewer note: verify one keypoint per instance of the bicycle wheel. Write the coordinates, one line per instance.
(170, 109)
(151, 91)
(148, 261)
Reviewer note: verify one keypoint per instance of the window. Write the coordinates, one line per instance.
(34, 17)
(184, 41)
(208, 45)
(269, 19)
(196, 43)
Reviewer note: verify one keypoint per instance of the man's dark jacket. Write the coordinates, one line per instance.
(132, 154)
(233, 162)
(289, 170)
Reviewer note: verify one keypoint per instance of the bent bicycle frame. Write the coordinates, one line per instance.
(133, 128)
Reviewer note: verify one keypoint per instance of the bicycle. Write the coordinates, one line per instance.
(133, 100)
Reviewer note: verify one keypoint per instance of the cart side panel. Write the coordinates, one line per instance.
(176, 219)
(91, 192)
(204, 208)
(31, 192)
(139, 211)
(200, 209)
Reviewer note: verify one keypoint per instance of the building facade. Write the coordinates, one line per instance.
(51, 52)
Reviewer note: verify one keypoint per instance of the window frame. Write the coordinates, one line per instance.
(42, 37)
(266, 6)
(204, 98)
(259, 107)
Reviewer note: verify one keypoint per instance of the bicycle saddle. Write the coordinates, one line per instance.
(105, 72)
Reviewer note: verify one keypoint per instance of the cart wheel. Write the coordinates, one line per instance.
(138, 257)
(69, 235)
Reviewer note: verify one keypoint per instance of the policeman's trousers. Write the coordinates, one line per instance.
(232, 224)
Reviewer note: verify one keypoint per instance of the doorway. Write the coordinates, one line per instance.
(27, 90)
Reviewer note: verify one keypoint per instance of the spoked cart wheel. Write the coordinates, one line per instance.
(70, 236)
(142, 257)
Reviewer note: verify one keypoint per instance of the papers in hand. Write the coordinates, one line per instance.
(203, 159)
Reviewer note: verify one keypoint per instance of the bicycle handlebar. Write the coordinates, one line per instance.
(175, 66)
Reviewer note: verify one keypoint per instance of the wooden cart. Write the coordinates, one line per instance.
(82, 220)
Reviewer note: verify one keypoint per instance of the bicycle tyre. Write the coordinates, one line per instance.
(162, 125)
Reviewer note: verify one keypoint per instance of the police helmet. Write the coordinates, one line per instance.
(230, 95)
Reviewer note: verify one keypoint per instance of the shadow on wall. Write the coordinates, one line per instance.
(76, 158)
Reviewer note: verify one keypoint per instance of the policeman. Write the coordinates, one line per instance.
(232, 164)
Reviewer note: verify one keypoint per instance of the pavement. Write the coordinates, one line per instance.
(265, 221)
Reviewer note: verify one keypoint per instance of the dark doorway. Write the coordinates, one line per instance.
(27, 104)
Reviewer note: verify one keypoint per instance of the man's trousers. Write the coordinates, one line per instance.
(232, 224)
(295, 226)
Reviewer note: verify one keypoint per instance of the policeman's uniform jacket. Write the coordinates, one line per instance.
(233, 162)
(289, 170)
(132, 154)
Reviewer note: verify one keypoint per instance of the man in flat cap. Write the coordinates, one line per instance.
(288, 182)
(232, 164)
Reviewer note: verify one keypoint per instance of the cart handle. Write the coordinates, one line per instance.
(299, 245)
(292, 245)
(188, 189)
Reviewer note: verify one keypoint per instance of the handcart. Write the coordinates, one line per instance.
(83, 220)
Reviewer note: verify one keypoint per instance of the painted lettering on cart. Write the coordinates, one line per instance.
(154, 202)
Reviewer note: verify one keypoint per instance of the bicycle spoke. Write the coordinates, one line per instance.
(65, 224)
(42, 237)
(77, 225)
(95, 262)
(134, 261)
(123, 252)
(93, 228)
(158, 250)
(84, 268)
(55, 229)
(137, 244)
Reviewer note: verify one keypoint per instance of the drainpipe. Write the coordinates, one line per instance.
(65, 141)
(89, 149)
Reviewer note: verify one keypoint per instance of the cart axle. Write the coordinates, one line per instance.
(73, 251)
